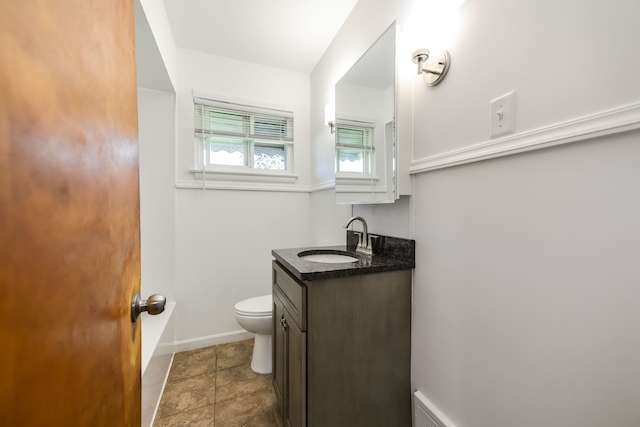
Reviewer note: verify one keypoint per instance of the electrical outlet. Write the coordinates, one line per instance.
(502, 114)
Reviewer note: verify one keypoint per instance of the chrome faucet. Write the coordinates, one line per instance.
(364, 243)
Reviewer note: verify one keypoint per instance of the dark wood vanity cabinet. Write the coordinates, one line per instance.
(289, 351)
(342, 349)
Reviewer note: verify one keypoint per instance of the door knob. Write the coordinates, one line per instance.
(154, 305)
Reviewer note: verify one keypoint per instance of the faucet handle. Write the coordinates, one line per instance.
(373, 239)
(364, 243)
(354, 238)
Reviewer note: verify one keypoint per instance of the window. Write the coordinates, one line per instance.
(354, 147)
(239, 136)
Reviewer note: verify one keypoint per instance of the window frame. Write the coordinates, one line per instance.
(204, 169)
(367, 148)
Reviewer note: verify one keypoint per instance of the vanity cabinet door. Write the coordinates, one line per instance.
(289, 364)
(278, 350)
(290, 346)
(296, 376)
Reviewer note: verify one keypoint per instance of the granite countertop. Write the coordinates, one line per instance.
(389, 254)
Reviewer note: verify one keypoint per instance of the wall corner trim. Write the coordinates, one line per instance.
(610, 122)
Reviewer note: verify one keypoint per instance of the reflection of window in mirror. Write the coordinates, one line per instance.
(354, 147)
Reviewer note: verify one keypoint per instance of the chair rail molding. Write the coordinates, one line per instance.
(321, 186)
(610, 122)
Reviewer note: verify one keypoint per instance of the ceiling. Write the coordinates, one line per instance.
(288, 34)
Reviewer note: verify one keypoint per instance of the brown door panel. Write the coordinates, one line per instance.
(69, 214)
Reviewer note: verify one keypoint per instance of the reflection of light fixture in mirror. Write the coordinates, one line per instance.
(330, 116)
(433, 67)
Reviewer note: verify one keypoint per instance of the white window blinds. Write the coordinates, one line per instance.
(354, 146)
(213, 118)
(354, 137)
(245, 136)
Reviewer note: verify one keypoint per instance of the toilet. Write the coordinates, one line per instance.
(254, 315)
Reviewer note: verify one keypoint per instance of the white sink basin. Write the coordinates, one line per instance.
(329, 258)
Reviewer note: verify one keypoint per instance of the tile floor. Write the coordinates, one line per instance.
(215, 387)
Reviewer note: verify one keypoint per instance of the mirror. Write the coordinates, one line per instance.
(365, 135)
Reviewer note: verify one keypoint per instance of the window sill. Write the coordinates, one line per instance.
(245, 175)
(249, 180)
(354, 178)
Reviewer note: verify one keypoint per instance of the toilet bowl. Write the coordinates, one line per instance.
(254, 315)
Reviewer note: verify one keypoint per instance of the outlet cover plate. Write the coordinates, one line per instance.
(502, 115)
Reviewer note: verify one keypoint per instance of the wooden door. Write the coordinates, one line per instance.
(69, 214)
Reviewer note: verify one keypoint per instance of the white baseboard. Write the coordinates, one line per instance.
(427, 415)
(211, 340)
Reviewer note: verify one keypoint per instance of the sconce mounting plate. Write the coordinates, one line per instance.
(434, 67)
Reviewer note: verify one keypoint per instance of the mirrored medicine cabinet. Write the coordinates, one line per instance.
(365, 126)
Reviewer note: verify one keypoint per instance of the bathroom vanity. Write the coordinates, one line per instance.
(342, 336)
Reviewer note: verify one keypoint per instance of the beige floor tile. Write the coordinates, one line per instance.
(187, 394)
(234, 354)
(220, 374)
(202, 417)
(192, 363)
(239, 381)
(251, 410)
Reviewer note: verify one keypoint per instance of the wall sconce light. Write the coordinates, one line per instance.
(330, 116)
(433, 67)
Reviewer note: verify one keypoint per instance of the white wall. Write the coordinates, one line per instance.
(224, 238)
(155, 61)
(209, 249)
(155, 17)
(233, 80)
(526, 273)
(223, 252)
(327, 218)
(551, 54)
(156, 130)
(389, 219)
(526, 287)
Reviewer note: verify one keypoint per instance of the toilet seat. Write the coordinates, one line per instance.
(255, 307)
